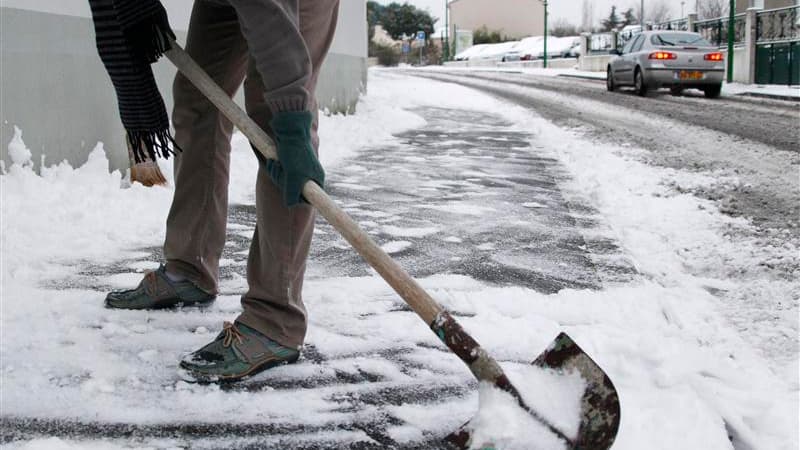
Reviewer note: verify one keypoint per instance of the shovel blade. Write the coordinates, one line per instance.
(600, 409)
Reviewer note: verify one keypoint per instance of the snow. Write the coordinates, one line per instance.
(490, 51)
(395, 246)
(408, 232)
(501, 424)
(17, 151)
(685, 376)
(556, 46)
(762, 89)
(471, 51)
(54, 443)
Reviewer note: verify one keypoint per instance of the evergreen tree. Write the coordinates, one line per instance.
(612, 22)
(399, 19)
(629, 18)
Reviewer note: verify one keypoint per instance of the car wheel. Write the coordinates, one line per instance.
(676, 90)
(639, 84)
(610, 85)
(713, 91)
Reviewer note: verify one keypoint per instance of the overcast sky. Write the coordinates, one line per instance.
(567, 9)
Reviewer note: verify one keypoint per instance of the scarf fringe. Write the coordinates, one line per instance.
(148, 145)
(151, 37)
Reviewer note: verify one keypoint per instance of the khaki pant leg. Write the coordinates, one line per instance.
(197, 219)
(273, 304)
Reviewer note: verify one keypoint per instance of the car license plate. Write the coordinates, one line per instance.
(689, 75)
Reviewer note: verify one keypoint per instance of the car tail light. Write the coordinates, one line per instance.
(663, 55)
(713, 56)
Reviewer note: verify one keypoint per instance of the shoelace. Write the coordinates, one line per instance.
(231, 333)
(150, 283)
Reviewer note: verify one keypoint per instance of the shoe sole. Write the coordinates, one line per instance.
(166, 304)
(225, 379)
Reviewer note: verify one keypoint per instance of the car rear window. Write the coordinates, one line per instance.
(679, 39)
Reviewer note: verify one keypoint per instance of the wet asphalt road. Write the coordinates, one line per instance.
(478, 202)
(756, 141)
(466, 194)
(771, 122)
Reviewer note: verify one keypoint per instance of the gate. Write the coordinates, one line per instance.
(778, 46)
(778, 63)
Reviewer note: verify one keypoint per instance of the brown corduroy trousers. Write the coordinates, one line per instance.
(276, 47)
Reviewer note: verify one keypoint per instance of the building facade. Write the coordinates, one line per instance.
(55, 89)
(513, 18)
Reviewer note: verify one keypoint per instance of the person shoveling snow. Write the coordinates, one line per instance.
(277, 48)
(280, 44)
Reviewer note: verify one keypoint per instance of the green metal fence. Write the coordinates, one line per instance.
(778, 46)
(716, 30)
(778, 63)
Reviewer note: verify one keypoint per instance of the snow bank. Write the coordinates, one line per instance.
(66, 215)
(17, 151)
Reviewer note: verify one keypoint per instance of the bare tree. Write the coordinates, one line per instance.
(655, 11)
(658, 11)
(562, 27)
(711, 9)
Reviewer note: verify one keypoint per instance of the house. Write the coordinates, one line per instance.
(513, 18)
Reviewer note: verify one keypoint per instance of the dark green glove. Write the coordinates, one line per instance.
(297, 162)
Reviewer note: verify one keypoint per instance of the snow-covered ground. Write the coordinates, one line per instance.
(686, 377)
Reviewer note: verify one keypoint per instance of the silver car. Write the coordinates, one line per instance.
(674, 59)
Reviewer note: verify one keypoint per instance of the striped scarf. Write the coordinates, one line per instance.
(132, 34)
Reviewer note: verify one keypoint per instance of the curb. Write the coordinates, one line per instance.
(787, 98)
(580, 77)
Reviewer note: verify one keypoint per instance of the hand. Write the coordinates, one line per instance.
(296, 162)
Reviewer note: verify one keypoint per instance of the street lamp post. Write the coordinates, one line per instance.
(731, 38)
(641, 15)
(545, 32)
(446, 41)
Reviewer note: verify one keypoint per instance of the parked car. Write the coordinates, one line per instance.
(562, 47)
(674, 59)
(496, 52)
(532, 48)
(512, 55)
(465, 55)
(529, 48)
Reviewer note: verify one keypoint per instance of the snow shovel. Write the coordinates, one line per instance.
(600, 410)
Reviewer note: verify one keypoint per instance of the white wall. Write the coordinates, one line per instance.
(178, 10)
(349, 38)
(56, 90)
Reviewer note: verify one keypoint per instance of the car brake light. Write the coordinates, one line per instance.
(663, 55)
(713, 56)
